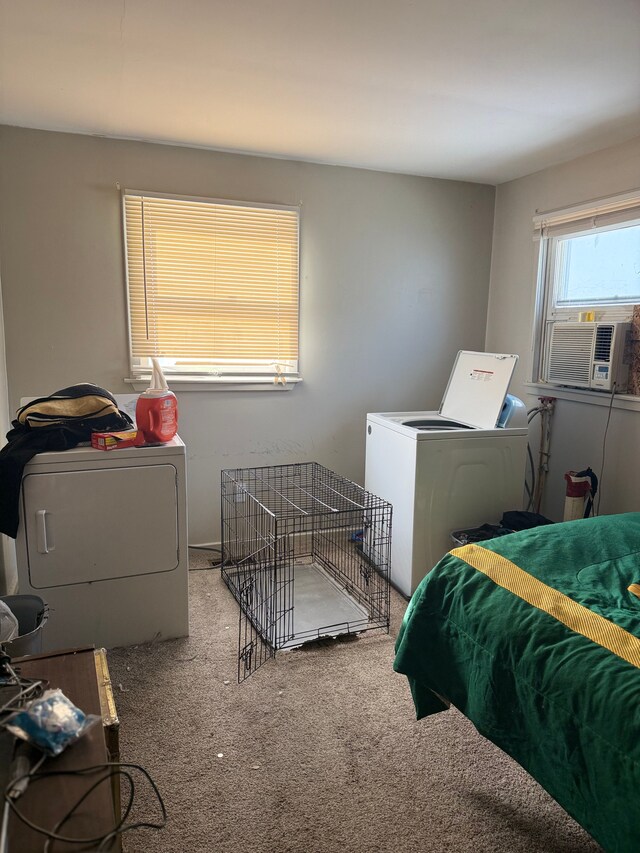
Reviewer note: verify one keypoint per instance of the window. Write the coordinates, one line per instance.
(212, 287)
(589, 267)
(597, 268)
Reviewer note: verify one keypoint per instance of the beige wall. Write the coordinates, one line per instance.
(394, 280)
(8, 571)
(578, 428)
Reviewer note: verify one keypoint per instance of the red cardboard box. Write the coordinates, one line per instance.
(115, 440)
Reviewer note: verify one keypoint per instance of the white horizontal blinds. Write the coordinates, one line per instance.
(585, 217)
(212, 281)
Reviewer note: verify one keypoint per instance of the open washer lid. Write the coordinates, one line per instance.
(477, 387)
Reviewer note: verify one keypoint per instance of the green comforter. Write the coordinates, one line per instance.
(535, 637)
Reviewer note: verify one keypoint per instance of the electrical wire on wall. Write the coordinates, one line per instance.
(596, 510)
(531, 414)
(535, 491)
(548, 406)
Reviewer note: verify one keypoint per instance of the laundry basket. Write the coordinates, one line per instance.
(32, 614)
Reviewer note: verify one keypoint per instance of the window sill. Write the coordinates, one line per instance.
(217, 383)
(578, 395)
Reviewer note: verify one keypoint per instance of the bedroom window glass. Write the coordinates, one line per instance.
(588, 265)
(601, 267)
(213, 286)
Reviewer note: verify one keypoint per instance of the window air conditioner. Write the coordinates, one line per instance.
(588, 355)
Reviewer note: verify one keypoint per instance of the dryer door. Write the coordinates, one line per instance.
(96, 524)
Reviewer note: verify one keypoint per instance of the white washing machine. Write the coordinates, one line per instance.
(456, 468)
(103, 540)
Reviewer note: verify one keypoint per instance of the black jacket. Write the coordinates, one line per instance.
(59, 422)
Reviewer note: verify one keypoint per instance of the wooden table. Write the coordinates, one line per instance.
(83, 677)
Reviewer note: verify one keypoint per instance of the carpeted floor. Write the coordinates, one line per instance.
(318, 752)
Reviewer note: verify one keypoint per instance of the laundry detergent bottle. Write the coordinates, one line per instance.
(157, 409)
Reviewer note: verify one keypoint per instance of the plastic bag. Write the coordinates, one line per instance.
(50, 723)
(9, 629)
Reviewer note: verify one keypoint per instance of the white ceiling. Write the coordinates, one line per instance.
(480, 90)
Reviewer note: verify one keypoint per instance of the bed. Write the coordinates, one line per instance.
(535, 637)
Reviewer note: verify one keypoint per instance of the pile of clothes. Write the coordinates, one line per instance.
(58, 422)
(511, 522)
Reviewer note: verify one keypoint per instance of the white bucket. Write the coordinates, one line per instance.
(32, 614)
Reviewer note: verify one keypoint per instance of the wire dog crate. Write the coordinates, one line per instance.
(306, 553)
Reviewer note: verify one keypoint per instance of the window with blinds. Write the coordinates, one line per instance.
(213, 286)
(588, 267)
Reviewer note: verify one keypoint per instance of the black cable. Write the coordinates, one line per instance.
(214, 564)
(604, 446)
(533, 478)
(108, 839)
(69, 814)
(30, 688)
(531, 414)
(119, 829)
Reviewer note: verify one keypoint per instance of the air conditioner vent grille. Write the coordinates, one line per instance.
(588, 355)
(570, 357)
(604, 339)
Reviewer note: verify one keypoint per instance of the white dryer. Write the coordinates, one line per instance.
(456, 468)
(103, 540)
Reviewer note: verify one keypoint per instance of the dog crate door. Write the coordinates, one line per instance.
(257, 566)
(255, 617)
(266, 610)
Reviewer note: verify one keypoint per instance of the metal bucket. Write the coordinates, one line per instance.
(32, 614)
